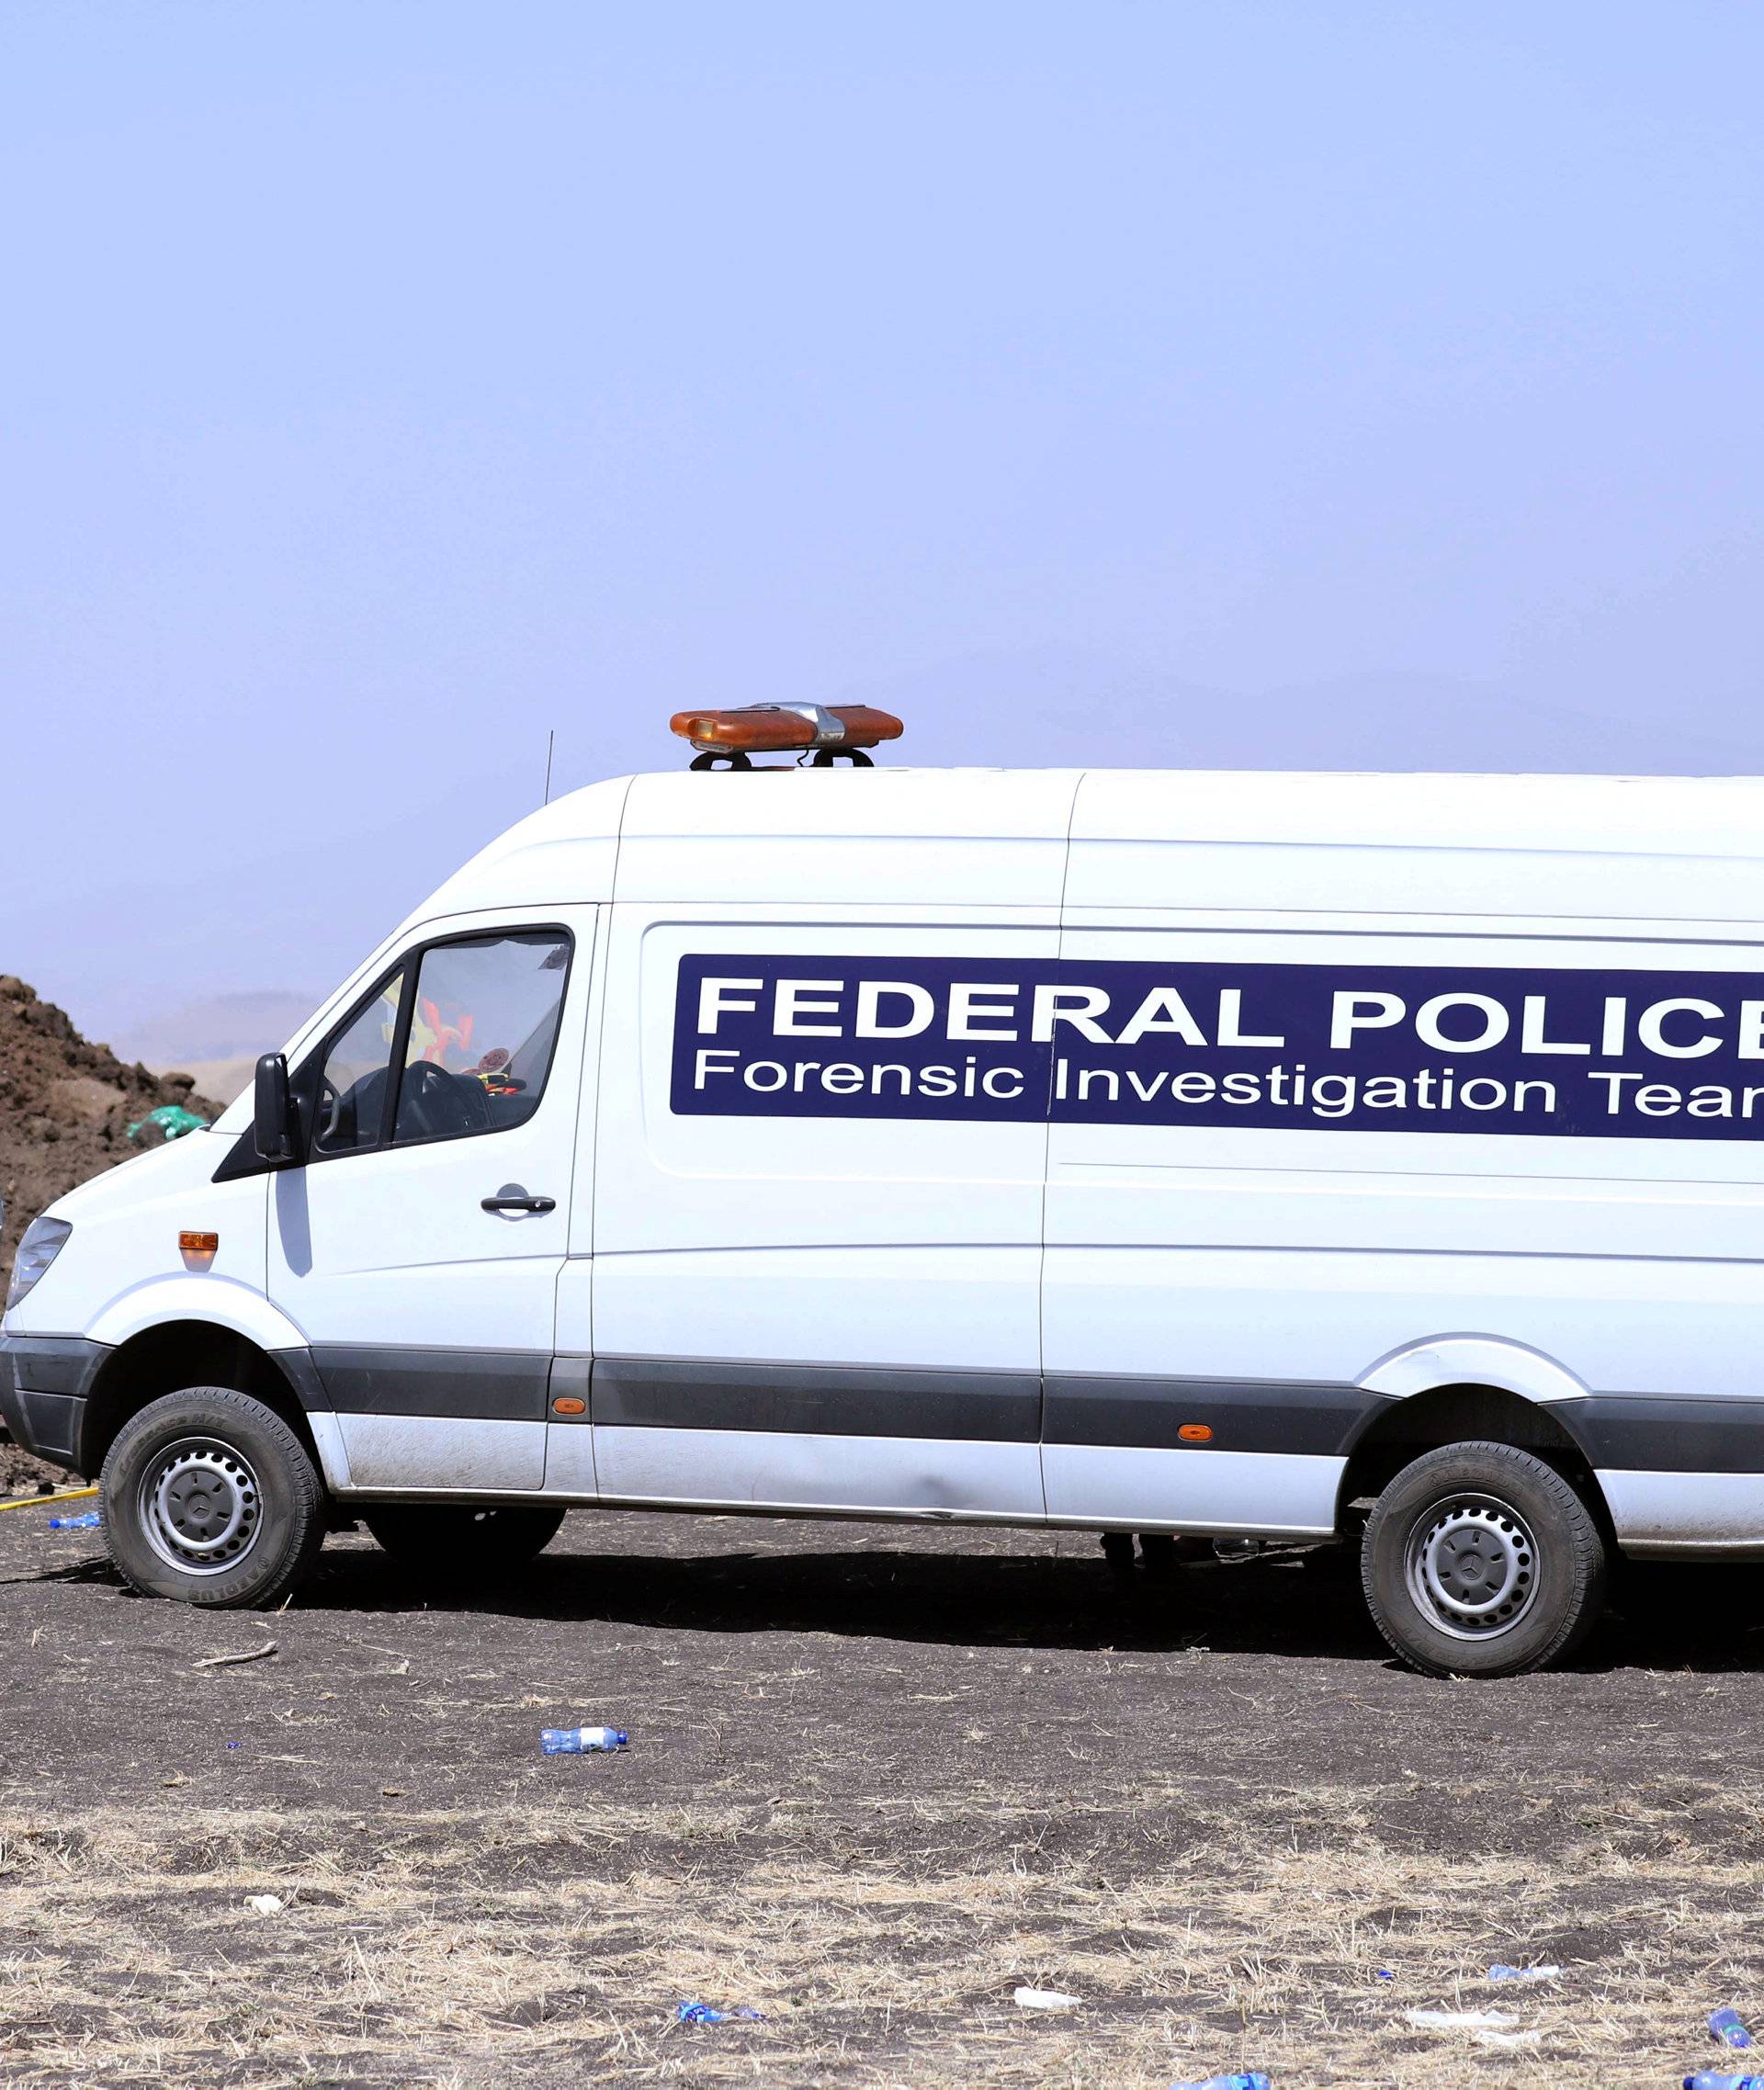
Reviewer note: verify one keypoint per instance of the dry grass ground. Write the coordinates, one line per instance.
(877, 1778)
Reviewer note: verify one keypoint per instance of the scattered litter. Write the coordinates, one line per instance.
(229, 1661)
(1706, 2079)
(1045, 1999)
(172, 1119)
(1729, 2028)
(580, 1740)
(704, 2013)
(265, 1904)
(1499, 1973)
(92, 1520)
(1253, 2080)
(1460, 2020)
(45, 1495)
(1506, 2039)
(1386, 1974)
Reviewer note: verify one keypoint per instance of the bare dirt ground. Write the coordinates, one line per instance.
(878, 1776)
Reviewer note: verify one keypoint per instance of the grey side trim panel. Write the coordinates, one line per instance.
(54, 1363)
(571, 1378)
(44, 1381)
(495, 1386)
(1316, 1418)
(816, 1400)
(1670, 1433)
(302, 1374)
(51, 1425)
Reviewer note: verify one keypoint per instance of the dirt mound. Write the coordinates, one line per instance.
(66, 1106)
(65, 1109)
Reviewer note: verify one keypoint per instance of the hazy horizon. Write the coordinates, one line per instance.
(1366, 386)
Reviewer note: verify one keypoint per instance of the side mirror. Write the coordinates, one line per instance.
(275, 1131)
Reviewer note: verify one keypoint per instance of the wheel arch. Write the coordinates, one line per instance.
(170, 1355)
(211, 1300)
(1462, 1411)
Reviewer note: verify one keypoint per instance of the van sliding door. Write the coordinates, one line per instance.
(1185, 1381)
(822, 1146)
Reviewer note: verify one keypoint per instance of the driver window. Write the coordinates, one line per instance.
(483, 1020)
(351, 1089)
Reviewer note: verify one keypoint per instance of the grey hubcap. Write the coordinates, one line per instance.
(1472, 1566)
(200, 1505)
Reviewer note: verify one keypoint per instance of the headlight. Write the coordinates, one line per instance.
(40, 1245)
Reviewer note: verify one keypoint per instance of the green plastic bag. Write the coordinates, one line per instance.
(172, 1119)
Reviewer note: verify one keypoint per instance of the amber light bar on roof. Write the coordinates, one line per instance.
(776, 728)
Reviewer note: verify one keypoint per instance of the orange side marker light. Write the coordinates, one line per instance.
(567, 1404)
(198, 1250)
(1196, 1433)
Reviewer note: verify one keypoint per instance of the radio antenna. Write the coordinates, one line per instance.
(550, 740)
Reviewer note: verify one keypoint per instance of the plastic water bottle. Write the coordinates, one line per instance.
(580, 1740)
(1729, 2028)
(93, 1520)
(1254, 2079)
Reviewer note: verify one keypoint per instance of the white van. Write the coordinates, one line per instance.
(1296, 1156)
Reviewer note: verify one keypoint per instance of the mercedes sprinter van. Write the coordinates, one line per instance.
(1372, 1159)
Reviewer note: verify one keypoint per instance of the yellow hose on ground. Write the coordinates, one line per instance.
(45, 1501)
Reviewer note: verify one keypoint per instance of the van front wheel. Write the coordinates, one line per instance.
(210, 1498)
(1482, 1560)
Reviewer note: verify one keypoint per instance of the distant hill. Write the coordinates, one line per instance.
(220, 1027)
(223, 1078)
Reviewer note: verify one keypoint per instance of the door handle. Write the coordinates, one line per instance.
(518, 1203)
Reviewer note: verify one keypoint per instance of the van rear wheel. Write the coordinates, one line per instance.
(212, 1498)
(463, 1541)
(1482, 1560)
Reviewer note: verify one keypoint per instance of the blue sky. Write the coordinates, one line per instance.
(1216, 383)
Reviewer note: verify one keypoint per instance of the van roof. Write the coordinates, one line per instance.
(570, 848)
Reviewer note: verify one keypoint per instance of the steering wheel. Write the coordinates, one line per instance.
(440, 1102)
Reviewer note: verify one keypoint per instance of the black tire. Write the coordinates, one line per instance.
(1482, 1560)
(463, 1542)
(209, 1498)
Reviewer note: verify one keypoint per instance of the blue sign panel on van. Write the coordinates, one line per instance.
(1358, 1047)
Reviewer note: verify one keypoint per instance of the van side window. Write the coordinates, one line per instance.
(482, 1024)
(352, 1085)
